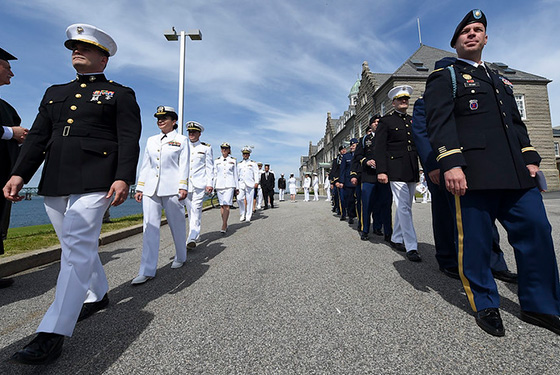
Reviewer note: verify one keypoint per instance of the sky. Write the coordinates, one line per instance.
(266, 72)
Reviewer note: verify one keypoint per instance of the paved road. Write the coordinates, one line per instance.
(293, 292)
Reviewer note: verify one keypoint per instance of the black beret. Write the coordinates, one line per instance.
(5, 55)
(475, 15)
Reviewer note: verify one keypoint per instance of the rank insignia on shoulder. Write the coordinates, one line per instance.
(473, 104)
(507, 82)
(467, 76)
(174, 143)
(205, 144)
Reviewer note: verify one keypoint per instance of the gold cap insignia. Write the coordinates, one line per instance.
(80, 29)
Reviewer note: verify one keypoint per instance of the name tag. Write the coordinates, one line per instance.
(472, 84)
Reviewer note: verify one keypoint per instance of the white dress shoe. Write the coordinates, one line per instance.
(242, 218)
(176, 264)
(140, 279)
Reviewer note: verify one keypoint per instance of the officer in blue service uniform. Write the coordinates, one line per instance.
(87, 134)
(375, 197)
(333, 176)
(12, 135)
(489, 165)
(345, 184)
(442, 217)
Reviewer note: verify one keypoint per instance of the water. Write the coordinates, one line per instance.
(32, 212)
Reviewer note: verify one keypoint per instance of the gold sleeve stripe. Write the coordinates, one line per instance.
(447, 153)
(184, 182)
(528, 149)
(140, 183)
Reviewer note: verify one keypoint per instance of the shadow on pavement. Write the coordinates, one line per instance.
(100, 340)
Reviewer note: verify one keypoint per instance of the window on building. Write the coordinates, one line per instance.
(520, 100)
(557, 149)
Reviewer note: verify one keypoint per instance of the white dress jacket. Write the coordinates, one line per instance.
(225, 173)
(201, 170)
(165, 165)
(248, 173)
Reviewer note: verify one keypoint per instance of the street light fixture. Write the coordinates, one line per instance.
(172, 36)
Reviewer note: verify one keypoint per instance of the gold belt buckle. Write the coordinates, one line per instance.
(66, 131)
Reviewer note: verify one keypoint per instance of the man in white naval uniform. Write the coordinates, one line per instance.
(259, 193)
(201, 176)
(315, 187)
(162, 184)
(306, 186)
(248, 182)
(87, 134)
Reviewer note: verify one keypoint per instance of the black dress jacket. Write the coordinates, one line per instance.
(365, 151)
(395, 152)
(87, 133)
(479, 129)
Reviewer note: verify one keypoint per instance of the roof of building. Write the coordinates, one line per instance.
(421, 65)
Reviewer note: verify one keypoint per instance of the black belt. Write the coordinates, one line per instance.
(76, 131)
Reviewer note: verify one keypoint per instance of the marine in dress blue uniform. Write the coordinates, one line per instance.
(397, 164)
(484, 150)
(86, 133)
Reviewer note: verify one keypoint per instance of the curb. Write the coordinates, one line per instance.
(31, 259)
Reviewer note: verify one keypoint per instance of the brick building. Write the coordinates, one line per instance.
(368, 96)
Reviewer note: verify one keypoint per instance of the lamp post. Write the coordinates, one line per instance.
(172, 36)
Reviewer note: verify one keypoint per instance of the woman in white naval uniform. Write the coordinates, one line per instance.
(201, 176)
(162, 183)
(293, 187)
(248, 182)
(226, 182)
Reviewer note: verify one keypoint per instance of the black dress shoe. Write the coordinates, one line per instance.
(387, 238)
(351, 220)
(413, 256)
(343, 218)
(507, 276)
(397, 246)
(43, 349)
(364, 236)
(452, 272)
(4, 283)
(490, 321)
(377, 232)
(90, 308)
(550, 322)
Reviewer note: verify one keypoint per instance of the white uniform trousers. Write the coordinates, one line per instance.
(306, 194)
(328, 190)
(403, 229)
(175, 213)
(77, 221)
(281, 193)
(260, 198)
(245, 192)
(315, 194)
(194, 200)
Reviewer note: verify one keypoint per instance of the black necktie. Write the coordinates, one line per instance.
(165, 135)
